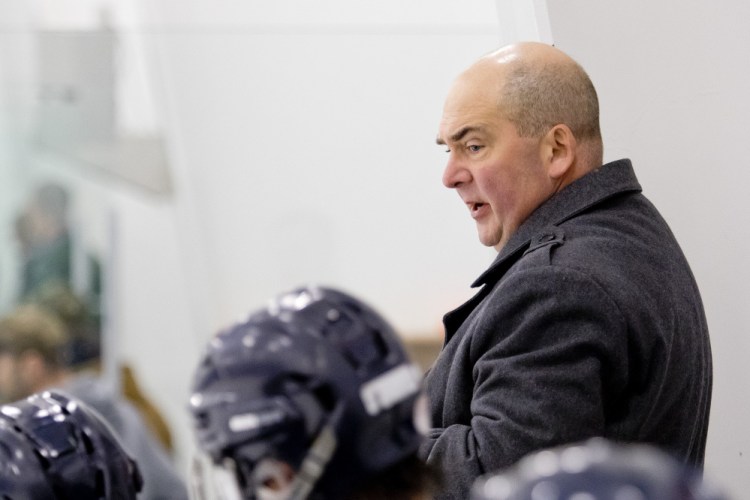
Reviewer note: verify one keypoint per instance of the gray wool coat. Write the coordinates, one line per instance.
(588, 323)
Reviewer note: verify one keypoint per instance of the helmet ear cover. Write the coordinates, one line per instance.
(287, 440)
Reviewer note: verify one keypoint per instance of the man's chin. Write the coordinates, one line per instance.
(493, 241)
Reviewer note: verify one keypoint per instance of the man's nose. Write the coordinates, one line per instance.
(455, 173)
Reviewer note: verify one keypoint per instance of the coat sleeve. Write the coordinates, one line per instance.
(546, 357)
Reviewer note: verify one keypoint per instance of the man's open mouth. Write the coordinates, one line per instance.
(475, 207)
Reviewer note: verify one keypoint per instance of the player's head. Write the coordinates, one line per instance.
(309, 397)
(55, 447)
(596, 469)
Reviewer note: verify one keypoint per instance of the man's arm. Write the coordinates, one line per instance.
(548, 353)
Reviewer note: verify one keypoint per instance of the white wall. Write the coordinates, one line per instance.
(301, 139)
(307, 139)
(673, 80)
(15, 73)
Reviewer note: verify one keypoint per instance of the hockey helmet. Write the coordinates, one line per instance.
(317, 380)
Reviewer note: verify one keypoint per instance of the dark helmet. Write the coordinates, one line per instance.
(599, 470)
(55, 447)
(317, 380)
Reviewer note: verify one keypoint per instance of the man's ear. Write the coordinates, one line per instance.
(558, 151)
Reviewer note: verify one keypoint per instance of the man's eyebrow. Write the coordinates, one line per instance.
(459, 134)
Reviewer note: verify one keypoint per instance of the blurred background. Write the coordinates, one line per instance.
(177, 163)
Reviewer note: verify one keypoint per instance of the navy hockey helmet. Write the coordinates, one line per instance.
(317, 380)
(597, 469)
(55, 447)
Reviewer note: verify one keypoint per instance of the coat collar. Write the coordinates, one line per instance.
(593, 188)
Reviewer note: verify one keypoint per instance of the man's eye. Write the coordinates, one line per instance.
(474, 148)
(447, 150)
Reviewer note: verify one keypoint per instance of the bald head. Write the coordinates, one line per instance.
(536, 87)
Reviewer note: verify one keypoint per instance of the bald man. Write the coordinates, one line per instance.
(589, 321)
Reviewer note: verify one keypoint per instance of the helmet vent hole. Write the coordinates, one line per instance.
(87, 444)
(201, 420)
(365, 349)
(325, 396)
(100, 484)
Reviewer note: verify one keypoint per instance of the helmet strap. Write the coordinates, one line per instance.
(317, 457)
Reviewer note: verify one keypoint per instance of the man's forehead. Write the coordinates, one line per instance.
(473, 115)
(470, 95)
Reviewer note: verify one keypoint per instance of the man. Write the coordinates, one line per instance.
(54, 447)
(589, 321)
(313, 397)
(33, 344)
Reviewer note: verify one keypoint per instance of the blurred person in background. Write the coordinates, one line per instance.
(83, 349)
(64, 277)
(313, 397)
(54, 447)
(597, 469)
(33, 351)
(51, 256)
